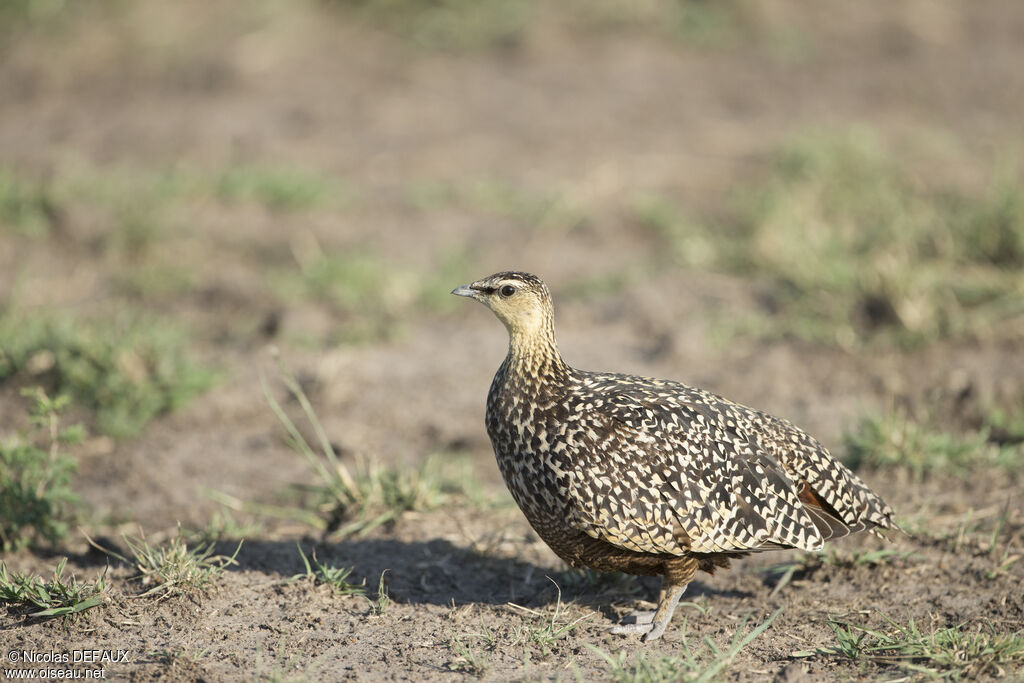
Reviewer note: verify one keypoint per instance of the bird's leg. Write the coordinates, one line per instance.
(677, 576)
(640, 617)
(666, 608)
(652, 624)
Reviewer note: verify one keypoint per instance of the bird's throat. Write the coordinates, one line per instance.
(535, 359)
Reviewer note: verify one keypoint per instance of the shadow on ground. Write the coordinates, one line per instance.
(438, 572)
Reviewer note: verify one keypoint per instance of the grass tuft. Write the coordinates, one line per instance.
(954, 652)
(36, 500)
(470, 659)
(58, 597)
(545, 633)
(853, 250)
(173, 568)
(329, 575)
(896, 440)
(382, 602)
(355, 500)
(126, 370)
(689, 665)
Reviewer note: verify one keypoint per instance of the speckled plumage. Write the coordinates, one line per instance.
(648, 476)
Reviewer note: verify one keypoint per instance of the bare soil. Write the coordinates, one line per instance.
(595, 116)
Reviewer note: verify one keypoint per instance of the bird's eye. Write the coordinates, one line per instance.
(507, 291)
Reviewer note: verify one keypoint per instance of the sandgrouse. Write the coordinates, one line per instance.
(648, 476)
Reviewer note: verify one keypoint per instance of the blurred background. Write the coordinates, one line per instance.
(815, 209)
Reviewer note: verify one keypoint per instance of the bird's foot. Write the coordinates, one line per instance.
(642, 622)
(630, 629)
(658, 629)
(653, 624)
(650, 630)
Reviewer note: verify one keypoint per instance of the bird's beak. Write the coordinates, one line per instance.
(466, 290)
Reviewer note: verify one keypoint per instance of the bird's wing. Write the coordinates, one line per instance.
(673, 475)
(828, 486)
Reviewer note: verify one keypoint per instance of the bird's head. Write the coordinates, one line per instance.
(520, 300)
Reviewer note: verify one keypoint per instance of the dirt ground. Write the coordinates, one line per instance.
(594, 115)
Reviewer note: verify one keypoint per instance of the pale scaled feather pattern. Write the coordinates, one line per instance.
(652, 459)
(647, 476)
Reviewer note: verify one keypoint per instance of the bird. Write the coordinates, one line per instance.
(644, 476)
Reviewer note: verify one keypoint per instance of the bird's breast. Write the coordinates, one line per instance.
(528, 437)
